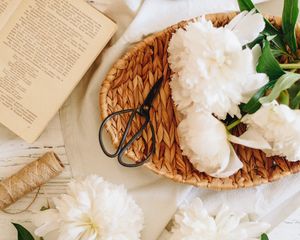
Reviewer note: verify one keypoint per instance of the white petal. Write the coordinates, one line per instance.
(254, 82)
(247, 26)
(233, 166)
(279, 125)
(203, 139)
(47, 221)
(256, 53)
(74, 230)
(227, 220)
(255, 229)
(236, 20)
(251, 138)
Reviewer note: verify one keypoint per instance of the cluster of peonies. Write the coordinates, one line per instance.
(213, 73)
(193, 222)
(93, 209)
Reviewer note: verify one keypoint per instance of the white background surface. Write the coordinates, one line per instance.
(15, 153)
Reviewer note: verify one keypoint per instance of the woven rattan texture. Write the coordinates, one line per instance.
(127, 85)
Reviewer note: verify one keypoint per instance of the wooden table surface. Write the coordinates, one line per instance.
(14, 154)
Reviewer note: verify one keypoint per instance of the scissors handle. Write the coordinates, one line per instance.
(130, 142)
(109, 117)
(122, 148)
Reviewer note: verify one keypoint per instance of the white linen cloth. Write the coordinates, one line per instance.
(157, 196)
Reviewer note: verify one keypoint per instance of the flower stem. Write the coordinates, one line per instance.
(233, 124)
(290, 65)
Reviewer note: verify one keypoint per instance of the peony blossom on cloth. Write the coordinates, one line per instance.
(193, 222)
(211, 70)
(93, 209)
(279, 126)
(204, 139)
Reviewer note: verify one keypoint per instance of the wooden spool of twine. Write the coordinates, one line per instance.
(29, 178)
(127, 85)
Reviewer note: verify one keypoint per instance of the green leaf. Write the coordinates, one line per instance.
(23, 234)
(278, 52)
(283, 83)
(284, 98)
(276, 40)
(246, 5)
(294, 92)
(270, 37)
(268, 64)
(275, 34)
(289, 20)
(258, 40)
(264, 237)
(253, 104)
(295, 103)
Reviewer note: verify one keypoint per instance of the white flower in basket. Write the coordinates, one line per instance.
(211, 69)
(279, 126)
(212, 74)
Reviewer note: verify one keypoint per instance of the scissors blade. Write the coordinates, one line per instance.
(153, 93)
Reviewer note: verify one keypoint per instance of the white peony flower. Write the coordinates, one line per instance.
(193, 222)
(93, 209)
(204, 140)
(211, 70)
(279, 126)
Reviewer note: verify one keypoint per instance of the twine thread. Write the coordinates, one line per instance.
(29, 178)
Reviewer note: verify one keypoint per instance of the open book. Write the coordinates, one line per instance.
(46, 46)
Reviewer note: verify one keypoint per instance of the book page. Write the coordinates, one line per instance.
(46, 48)
(7, 8)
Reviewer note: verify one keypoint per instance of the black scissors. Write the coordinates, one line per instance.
(143, 111)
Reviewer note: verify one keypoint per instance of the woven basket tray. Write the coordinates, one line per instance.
(126, 86)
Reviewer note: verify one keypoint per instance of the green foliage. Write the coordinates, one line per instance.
(270, 30)
(246, 5)
(294, 93)
(23, 233)
(289, 20)
(295, 103)
(253, 104)
(283, 83)
(264, 237)
(279, 39)
(268, 64)
(284, 98)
